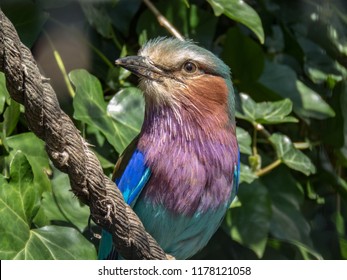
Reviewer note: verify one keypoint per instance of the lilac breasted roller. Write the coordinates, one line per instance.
(181, 173)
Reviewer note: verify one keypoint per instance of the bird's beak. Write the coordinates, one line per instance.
(141, 66)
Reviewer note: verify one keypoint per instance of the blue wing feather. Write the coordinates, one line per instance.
(134, 178)
(130, 183)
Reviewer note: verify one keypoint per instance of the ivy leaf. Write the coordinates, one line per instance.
(10, 112)
(35, 154)
(239, 11)
(127, 107)
(246, 174)
(61, 205)
(91, 108)
(256, 210)
(21, 188)
(19, 203)
(244, 140)
(266, 112)
(11, 117)
(290, 156)
(283, 81)
(56, 243)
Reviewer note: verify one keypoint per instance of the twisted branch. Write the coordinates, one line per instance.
(68, 150)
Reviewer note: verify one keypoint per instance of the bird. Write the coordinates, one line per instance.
(181, 173)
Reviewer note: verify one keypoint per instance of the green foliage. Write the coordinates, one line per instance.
(291, 116)
(91, 109)
(256, 209)
(19, 203)
(239, 11)
(60, 205)
(266, 112)
(291, 156)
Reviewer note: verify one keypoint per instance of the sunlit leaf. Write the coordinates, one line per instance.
(16, 217)
(36, 155)
(56, 243)
(11, 117)
(310, 97)
(246, 174)
(290, 156)
(21, 188)
(239, 11)
(91, 108)
(244, 140)
(128, 107)
(19, 202)
(266, 112)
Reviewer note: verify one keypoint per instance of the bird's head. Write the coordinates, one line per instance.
(181, 74)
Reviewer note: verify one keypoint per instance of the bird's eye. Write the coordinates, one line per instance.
(189, 67)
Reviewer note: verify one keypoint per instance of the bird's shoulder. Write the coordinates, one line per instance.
(124, 159)
(131, 173)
